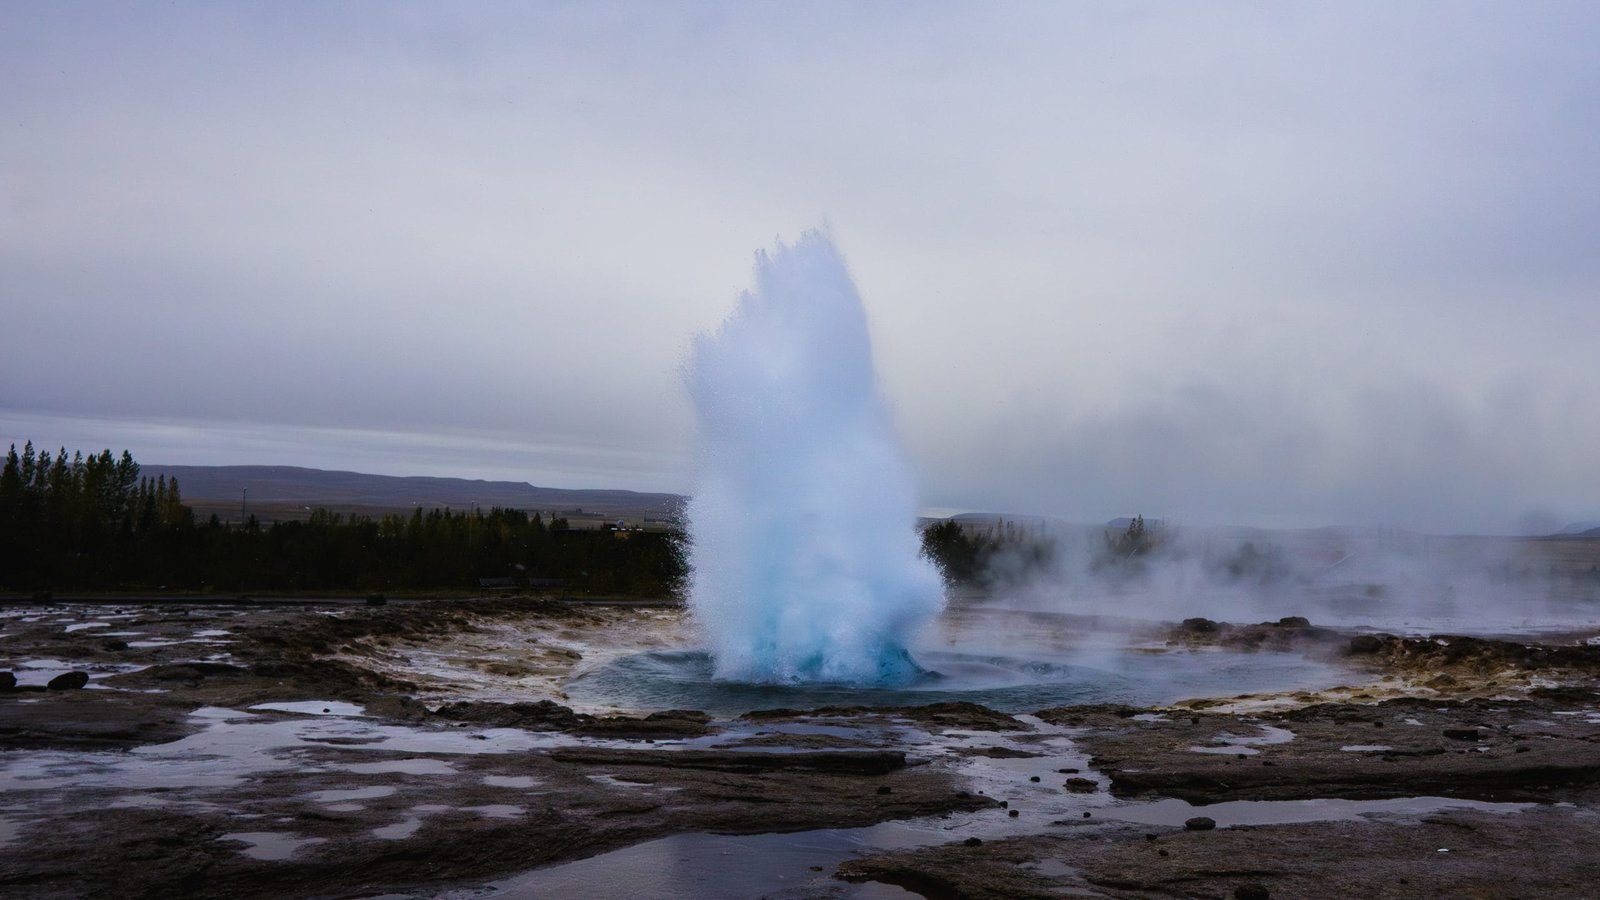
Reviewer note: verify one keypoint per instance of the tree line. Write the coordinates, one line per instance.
(1000, 554)
(94, 523)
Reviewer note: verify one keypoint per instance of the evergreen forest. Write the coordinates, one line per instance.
(94, 523)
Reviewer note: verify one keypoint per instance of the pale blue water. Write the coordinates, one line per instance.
(685, 680)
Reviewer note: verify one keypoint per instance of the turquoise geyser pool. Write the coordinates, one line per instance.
(684, 679)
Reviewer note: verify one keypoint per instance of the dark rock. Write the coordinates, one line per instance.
(884, 790)
(8, 680)
(1364, 644)
(666, 723)
(191, 671)
(1199, 625)
(998, 753)
(1564, 694)
(1463, 734)
(542, 715)
(1199, 823)
(973, 842)
(68, 681)
(115, 645)
(1251, 891)
(1294, 622)
(1088, 713)
(1033, 778)
(1012, 814)
(1081, 785)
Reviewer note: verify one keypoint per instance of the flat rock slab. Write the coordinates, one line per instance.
(1546, 853)
(1523, 750)
(91, 720)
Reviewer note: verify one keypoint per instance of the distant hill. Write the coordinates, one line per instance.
(212, 486)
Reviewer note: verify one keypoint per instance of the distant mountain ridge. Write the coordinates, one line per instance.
(320, 487)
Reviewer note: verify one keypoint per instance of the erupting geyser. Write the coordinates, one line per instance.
(805, 559)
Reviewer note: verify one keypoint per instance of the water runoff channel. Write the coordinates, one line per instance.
(1029, 785)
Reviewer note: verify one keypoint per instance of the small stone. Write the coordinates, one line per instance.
(1163, 853)
(68, 681)
(1068, 771)
(1377, 724)
(1199, 823)
(1463, 734)
(1012, 814)
(1086, 815)
(8, 680)
(1194, 720)
(1005, 804)
(1524, 748)
(115, 645)
(973, 842)
(1081, 785)
(1034, 778)
(1251, 891)
(885, 789)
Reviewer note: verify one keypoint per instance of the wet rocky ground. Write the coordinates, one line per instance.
(406, 750)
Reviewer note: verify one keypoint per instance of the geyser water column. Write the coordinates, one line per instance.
(805, 561)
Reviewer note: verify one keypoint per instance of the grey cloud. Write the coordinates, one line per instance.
(1281, 262)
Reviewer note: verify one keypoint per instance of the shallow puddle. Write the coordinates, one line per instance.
(511, 781)
(315, 708)
(269, 845)
(1174, 813)
(375, 792)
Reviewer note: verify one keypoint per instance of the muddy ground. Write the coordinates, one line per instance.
(323, 752)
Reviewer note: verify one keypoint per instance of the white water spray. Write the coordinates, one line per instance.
(805, 558)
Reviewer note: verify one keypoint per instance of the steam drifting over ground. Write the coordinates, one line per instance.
(1379, 578)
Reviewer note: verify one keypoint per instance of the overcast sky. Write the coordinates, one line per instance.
(1267, 263)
